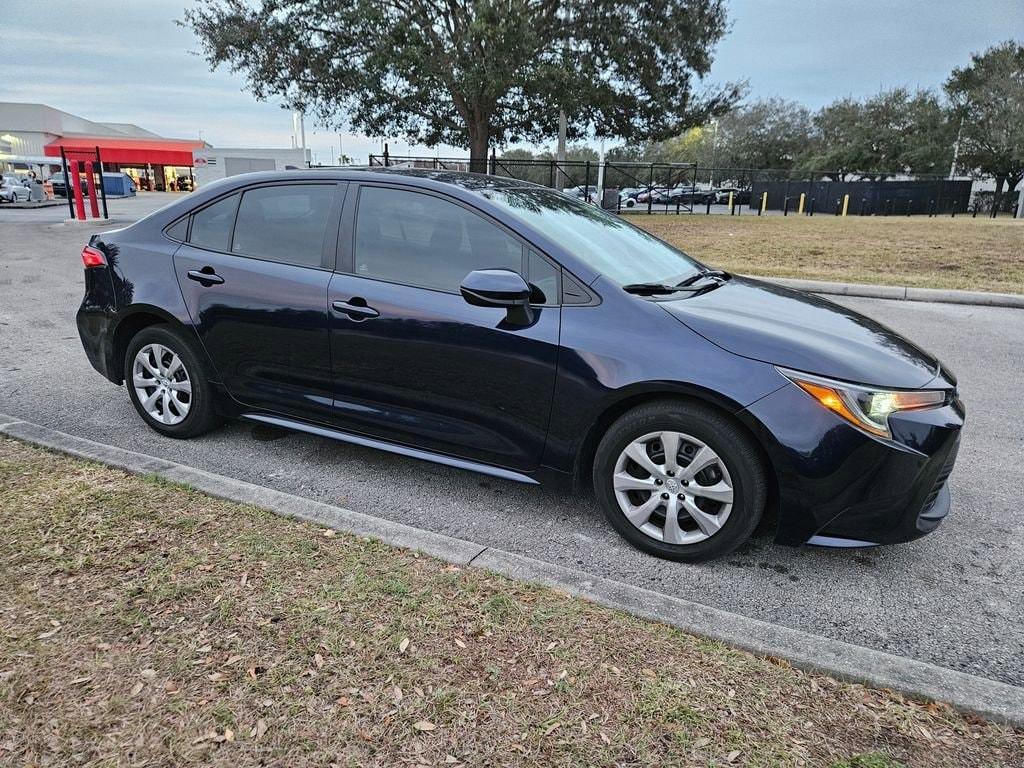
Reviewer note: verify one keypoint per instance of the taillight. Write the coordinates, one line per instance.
(93, 257)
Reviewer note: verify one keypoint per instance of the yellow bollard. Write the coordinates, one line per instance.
(846, 203)
(803, 196)
(730, 204)
(764, 203)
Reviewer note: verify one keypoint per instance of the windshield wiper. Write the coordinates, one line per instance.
(659, 289)
(702, 274)
(649, 289)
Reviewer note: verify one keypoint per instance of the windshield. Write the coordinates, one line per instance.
(618, 250)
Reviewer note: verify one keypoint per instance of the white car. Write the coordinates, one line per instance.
(12, 190)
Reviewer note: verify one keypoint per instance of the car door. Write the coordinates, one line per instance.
(413, 362)
(254, 274)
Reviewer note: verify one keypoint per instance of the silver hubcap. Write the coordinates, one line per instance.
(162, 384)
(673, 487)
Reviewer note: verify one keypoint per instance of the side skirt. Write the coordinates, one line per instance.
(383, 445)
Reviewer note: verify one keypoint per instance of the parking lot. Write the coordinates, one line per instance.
(953, 598)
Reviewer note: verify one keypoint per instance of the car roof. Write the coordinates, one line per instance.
(426, 177)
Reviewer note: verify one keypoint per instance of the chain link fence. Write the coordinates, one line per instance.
(677, 188)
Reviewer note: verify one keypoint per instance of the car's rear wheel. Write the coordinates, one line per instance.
(167, 383)
(680, 480)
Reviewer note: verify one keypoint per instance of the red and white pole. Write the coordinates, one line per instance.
(76, 188)
(94, 206)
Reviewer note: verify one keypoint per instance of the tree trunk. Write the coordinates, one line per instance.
(997, 196)
(479, 139)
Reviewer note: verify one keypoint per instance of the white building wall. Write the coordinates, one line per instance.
(24, 142)
(211, 163)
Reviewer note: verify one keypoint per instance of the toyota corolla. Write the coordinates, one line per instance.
(505, 328)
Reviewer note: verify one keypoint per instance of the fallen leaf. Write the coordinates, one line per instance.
(229, 735)
(398, 693)
(217, 677)
(80, 680)
(343, 701)
(403, 646)
(605, 738)
(244, 580)
(260, 730)
(148, 674)
(318, 660)
(459, 643)
(136, 690)
(732, 756)
(424, 725)
(48, 635)
(330, 533)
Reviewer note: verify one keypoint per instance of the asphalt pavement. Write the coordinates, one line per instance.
(954, 598)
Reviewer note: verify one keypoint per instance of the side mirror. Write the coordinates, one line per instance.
(499, 288)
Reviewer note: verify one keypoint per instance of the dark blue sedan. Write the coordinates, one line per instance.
(505, 328)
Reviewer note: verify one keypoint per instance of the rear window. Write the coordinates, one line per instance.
(211, 227)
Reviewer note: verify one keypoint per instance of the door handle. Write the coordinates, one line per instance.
(356, 311)
(205, 276)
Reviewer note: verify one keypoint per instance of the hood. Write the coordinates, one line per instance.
(804, 332)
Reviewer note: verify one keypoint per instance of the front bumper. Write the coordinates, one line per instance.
(836, 482)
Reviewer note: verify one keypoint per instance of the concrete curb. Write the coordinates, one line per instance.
(987, 698)
(901, 293)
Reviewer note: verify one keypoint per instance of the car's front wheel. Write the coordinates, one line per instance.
(680, 480)
(167, 383)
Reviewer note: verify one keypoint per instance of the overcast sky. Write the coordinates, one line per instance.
(127, 61)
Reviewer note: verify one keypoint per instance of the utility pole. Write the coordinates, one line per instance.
(600, 174)
(563, 129)
(956, 149)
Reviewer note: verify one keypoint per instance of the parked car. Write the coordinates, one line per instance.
(501, 327)
(739, 196)
(13, 191)
(627, 197)
(60, 186)
(590, 194)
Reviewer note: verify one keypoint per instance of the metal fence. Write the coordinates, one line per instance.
(672, 188)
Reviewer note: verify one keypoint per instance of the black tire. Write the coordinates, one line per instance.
(201, 416)
(733, 446)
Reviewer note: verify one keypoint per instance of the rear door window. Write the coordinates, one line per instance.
(285, 223)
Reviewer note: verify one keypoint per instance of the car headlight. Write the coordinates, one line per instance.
(866, 408)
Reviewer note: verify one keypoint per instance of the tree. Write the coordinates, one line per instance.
(769, 133)
(475, 73)
(893, 132)
(988, 96)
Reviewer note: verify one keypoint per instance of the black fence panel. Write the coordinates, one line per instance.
(868, 198)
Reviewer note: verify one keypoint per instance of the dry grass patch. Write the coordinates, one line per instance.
(143, 623)
(962, 253)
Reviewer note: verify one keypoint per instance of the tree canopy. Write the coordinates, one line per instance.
(894, 132)
(474, 73)
(988, 95)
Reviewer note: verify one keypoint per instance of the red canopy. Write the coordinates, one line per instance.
(129, 151)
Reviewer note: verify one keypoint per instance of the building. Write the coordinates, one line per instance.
(212, 163)
(33, 135)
